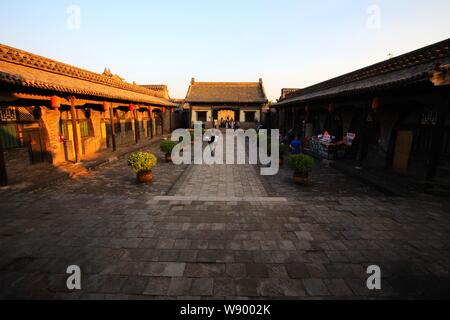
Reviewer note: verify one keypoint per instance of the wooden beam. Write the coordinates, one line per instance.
(75, 129)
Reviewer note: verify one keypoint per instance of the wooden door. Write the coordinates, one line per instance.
(402, 153)
(36, 147)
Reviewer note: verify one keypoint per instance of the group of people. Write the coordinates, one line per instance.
(226, 124)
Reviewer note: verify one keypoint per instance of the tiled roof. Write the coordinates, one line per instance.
(226, 92)
(24, 69)
(160, 88)
(412, 67)
(287, 91)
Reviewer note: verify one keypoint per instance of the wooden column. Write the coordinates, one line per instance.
(162, 121)
(113, 128)
(136, 127)
(3, 172)
(153, 123)
(76, 138)
(438, 138)
(170, 121)
(362, 136)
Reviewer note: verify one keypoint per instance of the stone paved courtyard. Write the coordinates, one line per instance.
(215, 232)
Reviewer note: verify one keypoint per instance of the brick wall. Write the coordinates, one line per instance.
(50, 129)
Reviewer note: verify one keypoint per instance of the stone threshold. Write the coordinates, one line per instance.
(219, 199)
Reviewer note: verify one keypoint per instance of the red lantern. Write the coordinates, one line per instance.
(376, 104)
(330, 108)
(105, 106)
(55, 102)
(131, 107)
(163, 110)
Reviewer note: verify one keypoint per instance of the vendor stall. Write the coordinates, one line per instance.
(324, 146)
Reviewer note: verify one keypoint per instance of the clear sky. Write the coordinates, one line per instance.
(288, 43)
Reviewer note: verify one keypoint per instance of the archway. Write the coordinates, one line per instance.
(226, 115)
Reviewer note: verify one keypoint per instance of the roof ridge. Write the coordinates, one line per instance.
(31, 60)
(225, 83)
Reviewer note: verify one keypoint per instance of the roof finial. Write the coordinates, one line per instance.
(260, 81)
(192, 80)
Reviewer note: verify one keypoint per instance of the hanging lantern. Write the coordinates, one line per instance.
(330, 108)
(131, 107)
(307, 109)
(105, 106)
(376, 104)
(55, 102)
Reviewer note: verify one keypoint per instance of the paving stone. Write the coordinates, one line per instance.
(236, 270)
(297, 271)
(338, 288)
(293, 288)
(224, 288)
(304, 235)
(256, 270)
(179, 286)
(247, 287)
(162, 269)
(277, 271)
(157, 286)
(202, 287)
(315, 287)
(135, 285)
(271, 288)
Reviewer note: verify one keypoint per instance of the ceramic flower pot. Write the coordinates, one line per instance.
(301, 179)
(145, 176)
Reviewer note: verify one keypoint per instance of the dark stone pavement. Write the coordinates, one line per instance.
(146, 242)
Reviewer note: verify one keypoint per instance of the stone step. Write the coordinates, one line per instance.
(220, 199)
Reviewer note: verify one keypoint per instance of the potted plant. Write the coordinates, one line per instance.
(142, 164)
(302, 165)
(167, 146)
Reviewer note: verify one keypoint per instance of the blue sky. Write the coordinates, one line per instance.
(289, 43)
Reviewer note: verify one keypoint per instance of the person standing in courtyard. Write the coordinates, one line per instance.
(296, 146)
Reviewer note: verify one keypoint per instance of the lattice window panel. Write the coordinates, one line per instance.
(8, 114)
(25, 114)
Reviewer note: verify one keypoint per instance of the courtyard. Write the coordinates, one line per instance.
(220, 232)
